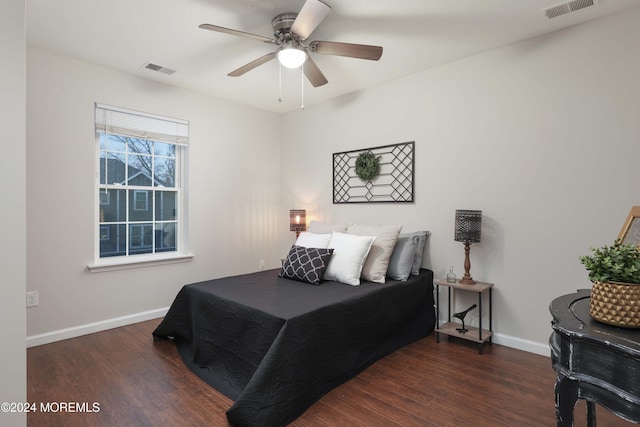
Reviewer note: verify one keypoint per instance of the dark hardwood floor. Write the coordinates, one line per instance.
(140, 383)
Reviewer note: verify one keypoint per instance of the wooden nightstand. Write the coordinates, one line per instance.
(478, 334)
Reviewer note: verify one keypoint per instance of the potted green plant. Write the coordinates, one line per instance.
(615, 273)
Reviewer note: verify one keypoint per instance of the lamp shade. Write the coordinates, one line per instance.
(468, 225)
(297, 220)
(291, 57)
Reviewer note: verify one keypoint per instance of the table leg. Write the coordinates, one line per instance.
(591, 414)
(566, 391)
(480, 316)
(490, 315)
(437, 312)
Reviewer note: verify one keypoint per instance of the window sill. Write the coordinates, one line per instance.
(137, 261)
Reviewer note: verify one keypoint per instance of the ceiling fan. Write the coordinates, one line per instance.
(290, 32)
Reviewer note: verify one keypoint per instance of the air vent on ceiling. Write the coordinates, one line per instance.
(568, 7)
(159, 68)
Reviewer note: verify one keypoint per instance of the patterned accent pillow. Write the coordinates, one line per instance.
(306, 264)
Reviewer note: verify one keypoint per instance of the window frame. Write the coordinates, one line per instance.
(160, 256)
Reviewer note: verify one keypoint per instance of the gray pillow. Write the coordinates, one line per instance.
(401, 261)
(420, 237)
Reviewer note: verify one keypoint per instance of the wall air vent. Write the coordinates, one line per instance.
(568, 7)
(159, 68)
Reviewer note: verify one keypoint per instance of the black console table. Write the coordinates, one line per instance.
(594, 361)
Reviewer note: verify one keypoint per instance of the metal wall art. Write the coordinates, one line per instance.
(377, 174)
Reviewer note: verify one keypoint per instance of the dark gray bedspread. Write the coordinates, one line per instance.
(275, 346)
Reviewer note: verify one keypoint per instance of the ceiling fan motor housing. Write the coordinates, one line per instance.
(282, 26)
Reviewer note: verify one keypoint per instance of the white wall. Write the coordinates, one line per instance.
(13, 386)
(542, 136)
(233, 192)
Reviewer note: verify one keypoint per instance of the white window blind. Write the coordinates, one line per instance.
(136, 124)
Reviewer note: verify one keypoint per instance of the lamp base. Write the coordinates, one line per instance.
(466, 279)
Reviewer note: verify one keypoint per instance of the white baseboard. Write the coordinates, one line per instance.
(90, 328)
(521, 344)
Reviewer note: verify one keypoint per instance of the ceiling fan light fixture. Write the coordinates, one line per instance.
(291, 57)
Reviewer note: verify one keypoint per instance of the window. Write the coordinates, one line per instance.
(140, 200)
(140, 187)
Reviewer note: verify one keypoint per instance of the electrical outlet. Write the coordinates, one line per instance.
(261, 264)
(32, 299)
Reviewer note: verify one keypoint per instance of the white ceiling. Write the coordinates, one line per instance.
(416, 35)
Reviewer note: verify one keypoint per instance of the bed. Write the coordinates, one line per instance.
(275, 345)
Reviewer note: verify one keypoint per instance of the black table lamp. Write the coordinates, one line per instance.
(467, 231)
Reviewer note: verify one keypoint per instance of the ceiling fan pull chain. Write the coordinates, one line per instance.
(302, 87)
(279, 82)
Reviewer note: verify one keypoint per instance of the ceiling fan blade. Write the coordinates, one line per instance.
(251, 65)
(237, 33)
(361, 51)
(310, 16)
(313, 73)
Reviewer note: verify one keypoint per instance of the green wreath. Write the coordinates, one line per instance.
(367, 166)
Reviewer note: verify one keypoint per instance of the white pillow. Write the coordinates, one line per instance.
(325, 227)
(313, 240)
(377, 263)
(349, 253)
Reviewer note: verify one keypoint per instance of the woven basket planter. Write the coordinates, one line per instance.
(616, 304)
